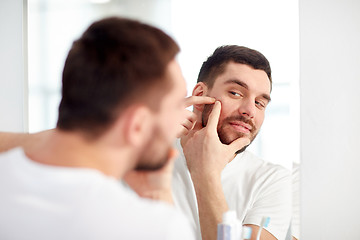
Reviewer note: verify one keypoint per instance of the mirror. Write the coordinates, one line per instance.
(199, 27)
(272, 27)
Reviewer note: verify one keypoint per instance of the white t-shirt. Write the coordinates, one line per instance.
(252, 187)
(45, 202)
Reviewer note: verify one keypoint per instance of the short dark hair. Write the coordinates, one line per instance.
(116, 62)
(215, 64)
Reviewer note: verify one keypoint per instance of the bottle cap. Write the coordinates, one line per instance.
(229, 217)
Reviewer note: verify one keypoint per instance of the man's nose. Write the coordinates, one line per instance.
(247, 108)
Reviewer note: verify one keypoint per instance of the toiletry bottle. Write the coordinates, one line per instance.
(246, 233)
(230, 228)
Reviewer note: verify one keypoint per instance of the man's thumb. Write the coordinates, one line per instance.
(239, 144)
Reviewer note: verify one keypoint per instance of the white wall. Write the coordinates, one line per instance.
(12, 80)
(330, 118)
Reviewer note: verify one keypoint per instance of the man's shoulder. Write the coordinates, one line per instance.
(83, 201)
(109, 210)
(249, 167)
(12, 154)
(128, 210)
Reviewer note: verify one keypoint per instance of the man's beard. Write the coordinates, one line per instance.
(225, 132)
(155, 154)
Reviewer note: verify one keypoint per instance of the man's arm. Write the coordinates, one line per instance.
(206, 157)
(211, 204)
(9, 140)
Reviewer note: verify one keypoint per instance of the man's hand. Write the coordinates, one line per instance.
(206, 157)
(153, 184)
(190, 117)
(203, 150)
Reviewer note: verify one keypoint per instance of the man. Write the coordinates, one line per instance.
(214, 172)
(121, 108)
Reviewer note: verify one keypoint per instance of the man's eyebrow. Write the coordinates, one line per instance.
(267, 97)
(244, 85)
(236, 81)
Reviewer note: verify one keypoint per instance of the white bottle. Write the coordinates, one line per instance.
(230, 228)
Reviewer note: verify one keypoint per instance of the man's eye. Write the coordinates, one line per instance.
(235, 94)
(260, 104)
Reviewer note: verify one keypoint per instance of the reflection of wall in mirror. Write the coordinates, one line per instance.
(13, 100)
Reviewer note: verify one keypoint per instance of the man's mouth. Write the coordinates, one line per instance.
(240, 126)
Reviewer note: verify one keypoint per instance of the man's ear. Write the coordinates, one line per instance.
(138, 125)
(200, 89)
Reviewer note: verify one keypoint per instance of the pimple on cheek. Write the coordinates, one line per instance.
(220, 99)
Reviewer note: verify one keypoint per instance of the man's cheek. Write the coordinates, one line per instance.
(259, 123)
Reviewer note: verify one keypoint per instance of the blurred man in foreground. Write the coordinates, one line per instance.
(121, 108)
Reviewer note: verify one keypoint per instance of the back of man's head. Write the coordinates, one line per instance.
(215, 64)
(116, 62)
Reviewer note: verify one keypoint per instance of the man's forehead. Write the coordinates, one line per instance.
(245, 76)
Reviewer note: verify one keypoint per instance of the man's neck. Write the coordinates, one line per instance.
(68, 149)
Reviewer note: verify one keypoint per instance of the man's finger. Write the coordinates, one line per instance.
(182, 132)
(184, 128)
(193, 100)
(238, 144)
(190, 116)
(187, 124)
(214, 116)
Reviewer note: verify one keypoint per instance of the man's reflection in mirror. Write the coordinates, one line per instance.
(215, 172)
